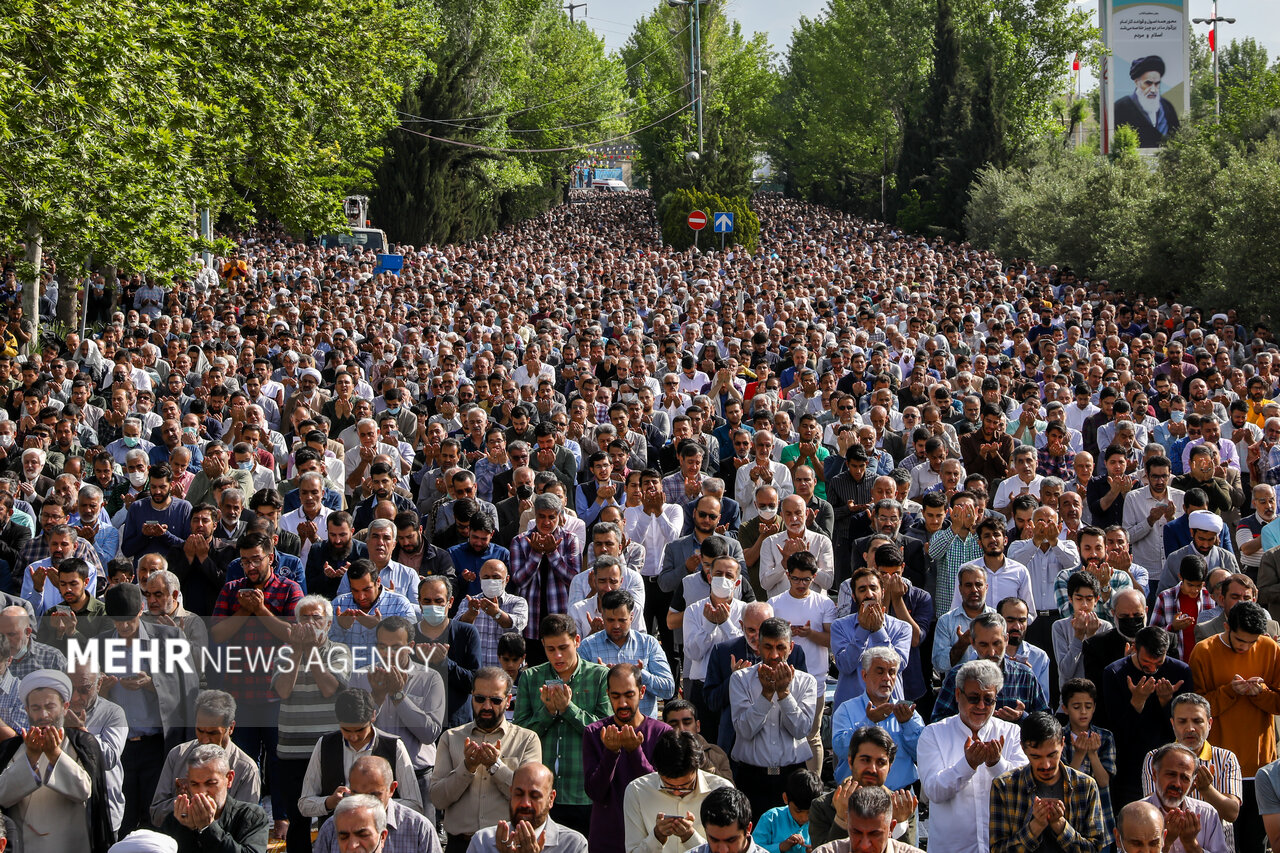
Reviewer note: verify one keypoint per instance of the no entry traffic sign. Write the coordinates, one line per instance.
(697, 220)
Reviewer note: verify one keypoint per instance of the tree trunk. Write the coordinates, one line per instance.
(68, 311)
(31, 289)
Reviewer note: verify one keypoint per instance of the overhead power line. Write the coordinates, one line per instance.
(571, 95)
(495, 150)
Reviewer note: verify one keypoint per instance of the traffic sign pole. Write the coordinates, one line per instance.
(697, 220)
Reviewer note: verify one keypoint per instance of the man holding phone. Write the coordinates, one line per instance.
(1044, 800)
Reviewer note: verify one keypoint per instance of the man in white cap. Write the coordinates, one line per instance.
(1206, 531)
(52, 781)
(145, 841)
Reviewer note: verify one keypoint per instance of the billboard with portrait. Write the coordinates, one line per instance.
(1146, 76)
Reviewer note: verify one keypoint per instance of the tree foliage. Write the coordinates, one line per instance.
(738, 85)
(674, 210)
(118, 119)
(919, 94)
(509, 74)
(1197, 223)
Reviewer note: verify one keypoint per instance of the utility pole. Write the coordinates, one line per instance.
(571, 7)
(695, 58)
(1215, 20)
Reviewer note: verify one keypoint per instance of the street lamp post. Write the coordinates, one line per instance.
(1215, 20)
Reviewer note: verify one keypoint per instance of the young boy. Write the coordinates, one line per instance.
(787, 826)
(511, 650)
(1088, 748)
(119, 570)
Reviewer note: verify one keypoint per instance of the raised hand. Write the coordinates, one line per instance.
(1165, 690)
(1011, 713)
(975, 751)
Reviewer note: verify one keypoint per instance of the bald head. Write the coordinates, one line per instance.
(1140, 828)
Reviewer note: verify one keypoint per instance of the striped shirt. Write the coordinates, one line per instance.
(489, 629)
(307, 715)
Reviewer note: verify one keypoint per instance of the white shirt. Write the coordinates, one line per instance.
(1045, 566)
(744, 488)
(580, 586)
(653, 532)
(1013, 578)
(701, 635)
(1146, 540)
(819, 611)
(772, 732)
(1076, 416)
(1013, 486)
(582, 612)
(290, 521)
(959, 796)
(773, 569)
(923, 478)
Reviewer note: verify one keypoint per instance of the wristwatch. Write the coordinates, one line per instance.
(397, 697)
(495, 767)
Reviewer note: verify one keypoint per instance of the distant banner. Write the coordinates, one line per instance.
(1147, 74)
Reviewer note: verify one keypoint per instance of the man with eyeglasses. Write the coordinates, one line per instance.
(476, 761)
(967, 751)
(666, 804)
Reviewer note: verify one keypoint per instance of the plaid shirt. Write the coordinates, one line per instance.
(1020, 685)
(549, 594)
(1011, 797)
(281, 597)
(949, 552)
(37, 549)
(1167, 607)
(38, 656)
(13, 712)
(1055, 466)
(673, 488)
(1119, 581)
(489, 630)
(561, 735)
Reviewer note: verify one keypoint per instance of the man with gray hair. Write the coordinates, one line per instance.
(205, 818)
(966, 753)
(162, 591)
(1140, 828)
(1218, 779)
(130, 439)
(215, 721)
(871, 825)
(369, 812)
(1192, 822)
(544, 561)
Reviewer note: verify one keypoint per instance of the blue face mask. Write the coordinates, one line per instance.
(130, 441)
(245, 466)
(393, 410)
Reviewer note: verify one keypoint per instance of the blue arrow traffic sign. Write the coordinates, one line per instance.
(723, 222)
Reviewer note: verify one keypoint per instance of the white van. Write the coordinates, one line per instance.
(609, 185)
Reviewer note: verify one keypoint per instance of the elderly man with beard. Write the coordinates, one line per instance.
(205, 819)
(163, 594)
(1217, 778)
(968, 750)
(1206, 531)
(1045, 797)
(371, 778)
(616, 751)
(1152, 116)
(215, 721)
(1193, 823)
(531, 828)
(53, 782)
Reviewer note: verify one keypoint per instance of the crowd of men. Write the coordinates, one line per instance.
(565, 540)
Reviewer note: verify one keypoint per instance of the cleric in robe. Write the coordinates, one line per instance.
(1152, 116)
(52, 783)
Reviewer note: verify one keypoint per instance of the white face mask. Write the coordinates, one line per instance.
(492, 587)
(6, 441)
(768, 513)
(138, 478)
(723, 587)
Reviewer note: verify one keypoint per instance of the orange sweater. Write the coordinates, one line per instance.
(1242, 724)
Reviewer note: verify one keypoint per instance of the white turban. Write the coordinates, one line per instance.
(145, 841)
(41, 678)
(1204, 520)
(312, 372)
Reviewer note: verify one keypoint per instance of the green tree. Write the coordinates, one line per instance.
(738, 84)
(509, 74)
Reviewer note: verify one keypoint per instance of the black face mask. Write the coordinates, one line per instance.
(1129, 626)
